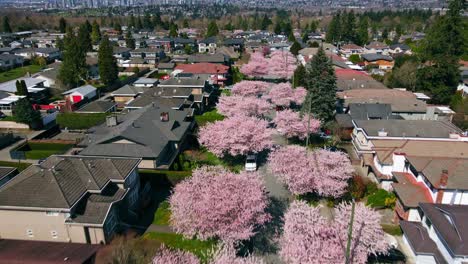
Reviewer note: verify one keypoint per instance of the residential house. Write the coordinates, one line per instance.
(350, 49)
(35, 87)
(348, 79)
(213, 73)
(211, 58)
(9, 61)
(399, 48)
(74, 199)
(98, 106)
(382, 62)
(121, 53)
(152, 54)
(175, 98)
(8, 102)
(85, 92)
(229, 52)
(236, 43)
(155, 134)
(180, 43)
(281, 46)
(50, 54)
(200, 89)
(403, 103)
(254, 46)
(49, 75)
(145, 82)
(167, 67)
(440, 237)
(376, 47)
(127, 93)
(32, 252)
(208, 45)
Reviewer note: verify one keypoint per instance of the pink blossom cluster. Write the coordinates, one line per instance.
(227, 255)
(281, 64)
(236, 135)
(321, 171)
(283, 94)
(239, 105)
(308, 237)
(291, 124)
(216, 203)
(250, 88)
(169, 256)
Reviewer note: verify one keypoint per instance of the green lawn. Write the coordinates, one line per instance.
(176, 241)
(34, 150)
(208, 117)
(393, 230)
(80, 121)
(204, 157)
(19, 165)
(18, 72)
(162, 215)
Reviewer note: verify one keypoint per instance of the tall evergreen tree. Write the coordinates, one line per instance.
(173, 30)
(88, 27)
(95, 33)
(84, 38)
(299, 76)
(321, 87)
(62, 25)
(73, 68)
(362, 34)
(139, 24)
(295, 48)
(277, 28)
(107, 63)
(129, 40)
(147, 23)
(334, 30)
(132, 22)
(349, 27)
(266, 22)
(6, 25)
(212, 30)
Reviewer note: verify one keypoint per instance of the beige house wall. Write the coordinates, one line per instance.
(147, 164)
(15, 224)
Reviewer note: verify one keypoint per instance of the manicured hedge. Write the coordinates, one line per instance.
(80, 121)
(19, 165)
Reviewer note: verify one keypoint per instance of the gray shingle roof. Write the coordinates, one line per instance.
(191, 82)
(214, 58)
(60, 181)
(97, 107)
(162, 97)
(370, 111)
(129, 90)
(85, 89)
(451, 223)
(143, 128)
(408, 128)
(375, 57)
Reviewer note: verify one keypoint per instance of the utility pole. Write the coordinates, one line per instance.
(350, 234)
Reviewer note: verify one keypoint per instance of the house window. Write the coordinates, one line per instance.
(29, 232)
(54, 234)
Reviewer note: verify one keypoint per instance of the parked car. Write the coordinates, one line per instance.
(251, 163)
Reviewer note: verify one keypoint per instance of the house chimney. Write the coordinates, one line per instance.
(443, 179)
(382, 133)
(111, 120)
(164, 116)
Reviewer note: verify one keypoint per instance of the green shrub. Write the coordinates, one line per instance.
(371, 188)
(19, 165)
(381, 199)
(208, 117)
(163, 214)
(80, 121)
(357, 187)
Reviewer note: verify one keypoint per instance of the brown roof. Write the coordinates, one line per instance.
(347, 79)
(451, 223)
(420, 148)
(420, 241)
(432, 167)
(350, 46)
(39, 252)
(401, 101)
(410, 192)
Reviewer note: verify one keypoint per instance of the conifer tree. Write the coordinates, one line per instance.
(212, 30)
(107, 63)
(73, 68)
(62, 25)
(129, 40)
(95, 33)
(6, 25)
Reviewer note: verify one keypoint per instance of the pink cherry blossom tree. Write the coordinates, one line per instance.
(308, 237)
(250, 88)
(240, 105)
(236, 135)
(299, 95)
(281, 94)
(282, 64)
(216, 203)
(168, 256)
(291, 124)
(226, 254)
(257, 65)
(321, 171)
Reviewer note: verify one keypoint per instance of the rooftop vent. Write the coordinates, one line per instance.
(111, 120)
(164, 116)
(382, 133)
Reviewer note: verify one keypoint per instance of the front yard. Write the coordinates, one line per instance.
(18, 72)
(36, 150)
